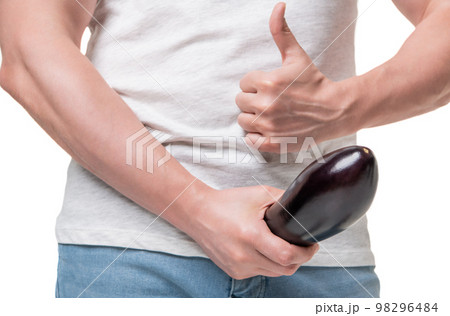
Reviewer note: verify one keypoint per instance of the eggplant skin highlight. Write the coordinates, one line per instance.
(326, 198)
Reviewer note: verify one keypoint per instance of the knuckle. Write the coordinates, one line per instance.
(266, 122)
(268, 110)
(267, 126)
(286, 257)
(258, 126)
(240, 258)
(264, 108)
(241, 83)
(238, 98)
(284, 260)
(241, 119)
(292, 269)
(249, 235)
(252, 76)
(267, 84)
(258, 123)
(270, 125)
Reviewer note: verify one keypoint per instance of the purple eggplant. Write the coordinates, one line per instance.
(326, 198)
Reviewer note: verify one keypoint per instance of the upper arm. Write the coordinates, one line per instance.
(416, 10)
(25, 22)
(31, 29)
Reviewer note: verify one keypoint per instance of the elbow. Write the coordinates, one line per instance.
(11, 65)
(27, 58)
(18, 57)
(6, 82)
(16, 80)
(10, 78)
(19, 54)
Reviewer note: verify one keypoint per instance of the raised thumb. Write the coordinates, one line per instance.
(287, 44)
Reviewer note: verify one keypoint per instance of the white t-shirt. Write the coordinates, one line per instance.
(177, 64)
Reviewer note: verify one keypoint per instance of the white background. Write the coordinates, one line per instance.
(408, 220)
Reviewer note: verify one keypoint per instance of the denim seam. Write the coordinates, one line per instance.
(262, 286)
(232, 284)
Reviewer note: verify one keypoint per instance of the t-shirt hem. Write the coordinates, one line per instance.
(189, 248)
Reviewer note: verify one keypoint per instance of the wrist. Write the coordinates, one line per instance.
(185, 211)
(369, 97)
(353, 97)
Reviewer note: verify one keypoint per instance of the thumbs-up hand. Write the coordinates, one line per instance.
(296, 100)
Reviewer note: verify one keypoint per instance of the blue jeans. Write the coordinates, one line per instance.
(141, 273)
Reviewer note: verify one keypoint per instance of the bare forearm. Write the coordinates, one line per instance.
(415, 81)
(61, 89)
